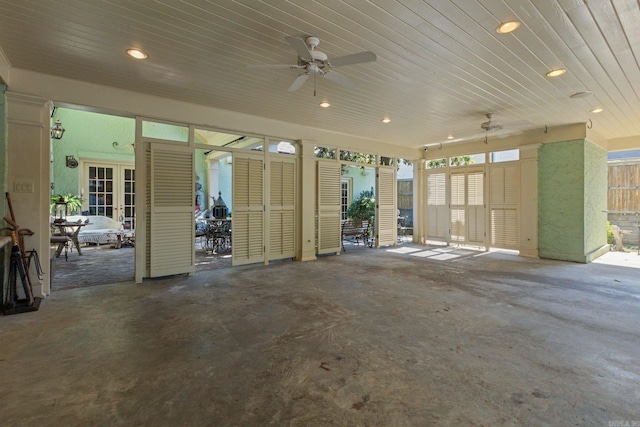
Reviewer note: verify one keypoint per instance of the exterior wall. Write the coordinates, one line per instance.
(573, 195)
(88, 136)
(595, 199)
(561, 207)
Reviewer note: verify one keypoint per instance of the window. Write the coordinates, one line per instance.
(505, 156)
(345, 197)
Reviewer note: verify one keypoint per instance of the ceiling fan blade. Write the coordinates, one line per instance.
(298, 82)
(338, 78)
(273, 66)
(301, 47)
(355, 58)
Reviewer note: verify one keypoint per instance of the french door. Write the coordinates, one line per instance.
(110, 191)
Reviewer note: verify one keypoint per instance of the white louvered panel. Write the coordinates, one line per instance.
(475, 188)
(497, 185)
(329, 207)
(475, 207)
(475, 224)
(172, 227)
(147, 165)
(457, 225)
(505, 187)
(504, 228)
(458, 189)
(386, 215)
(436, 189)
(512, 184)
(437, 208)
(282, 209)
(281, 235)
(248, 209)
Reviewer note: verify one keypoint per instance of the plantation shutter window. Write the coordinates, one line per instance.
(329, 207)
(437, 208)
(386, 215)
(475, 207)
(171, 246)
(282, 208)
(248, 209)
(505, 184)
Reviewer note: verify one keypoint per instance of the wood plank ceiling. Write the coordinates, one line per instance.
(441, 64)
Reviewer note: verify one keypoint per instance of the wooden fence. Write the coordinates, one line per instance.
(624, 187)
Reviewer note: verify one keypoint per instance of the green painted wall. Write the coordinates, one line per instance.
(572, 179)
(595, 197)
(88, 136)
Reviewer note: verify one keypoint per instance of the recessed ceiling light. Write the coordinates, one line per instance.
(507, 27)
(386, 120)
(597, 110)
(582, 94)
(450, 137)
(325, 104)
(137, 53)
(556, 73)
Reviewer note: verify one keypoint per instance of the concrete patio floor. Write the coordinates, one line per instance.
(406, 336)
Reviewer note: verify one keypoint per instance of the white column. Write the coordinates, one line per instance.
(306, 250)
(419, 201)
(28, 151)
(529, 201)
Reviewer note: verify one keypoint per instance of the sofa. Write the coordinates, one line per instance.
(99, 229)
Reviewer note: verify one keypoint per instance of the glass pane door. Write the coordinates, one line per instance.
(101, 191)
(128, 207)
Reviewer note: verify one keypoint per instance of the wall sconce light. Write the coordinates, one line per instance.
(72, 162)
(57, 130)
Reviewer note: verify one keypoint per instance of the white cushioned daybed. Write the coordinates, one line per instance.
(99, 229)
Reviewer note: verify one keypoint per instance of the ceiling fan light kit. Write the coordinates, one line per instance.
(315, 62)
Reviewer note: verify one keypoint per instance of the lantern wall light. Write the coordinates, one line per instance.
(57, 130)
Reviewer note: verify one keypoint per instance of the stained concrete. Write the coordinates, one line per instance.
(419, 336)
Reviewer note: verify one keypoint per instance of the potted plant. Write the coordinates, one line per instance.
(74, 202)
(363, 208)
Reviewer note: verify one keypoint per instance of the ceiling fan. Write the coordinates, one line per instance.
(490, 128)
(315, 62)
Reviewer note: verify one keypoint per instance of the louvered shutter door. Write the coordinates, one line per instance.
(505, 186)
(329, 207)
(247, 231)
(386, 215)
(437, 209)
(172, 221)
(282, 209)
(475, 206)
(458, 200)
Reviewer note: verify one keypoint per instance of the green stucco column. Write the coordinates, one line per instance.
(572, 180)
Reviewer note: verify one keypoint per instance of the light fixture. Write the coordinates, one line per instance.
(582, 94)
(325, 104)
(57, 130)
(597, 110)
(386, 120)
(557, 72)
(450, 137)
(137, 53)
(507, 27)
